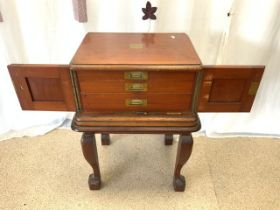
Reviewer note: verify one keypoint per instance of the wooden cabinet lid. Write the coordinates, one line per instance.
(136, 48)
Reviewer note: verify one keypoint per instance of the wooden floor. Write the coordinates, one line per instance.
(49, 172)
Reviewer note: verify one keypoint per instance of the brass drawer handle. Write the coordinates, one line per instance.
(136, 87)
(136, 102)
(137, 75)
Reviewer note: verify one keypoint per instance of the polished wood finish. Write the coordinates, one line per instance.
(43, 87)
(227, 88)
(161, 90)
(155, 102)
(153, 74)
(105, 139)
(135, 48)
(157, 82)
(89, 149)
(184, 152)
(168, 139)
(162, 75)
(136, 119)
(135, 123)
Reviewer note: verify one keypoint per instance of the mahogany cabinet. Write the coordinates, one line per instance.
(136, 83)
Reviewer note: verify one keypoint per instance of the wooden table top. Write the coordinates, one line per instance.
(136, 48)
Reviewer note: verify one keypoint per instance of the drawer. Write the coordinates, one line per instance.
(136, 102)
(121, 86)
(116, 82)
(93, 75)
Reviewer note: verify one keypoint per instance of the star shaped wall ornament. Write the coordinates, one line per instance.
(149, 12)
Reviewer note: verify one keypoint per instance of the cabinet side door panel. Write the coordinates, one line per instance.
(43, 87)
(229, 88)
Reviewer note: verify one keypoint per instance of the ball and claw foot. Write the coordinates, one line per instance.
(94, 182)
(179, 183)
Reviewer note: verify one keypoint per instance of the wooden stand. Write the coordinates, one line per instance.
(90, 124)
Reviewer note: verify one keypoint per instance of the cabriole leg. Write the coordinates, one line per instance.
(184, 151)
(90, 153)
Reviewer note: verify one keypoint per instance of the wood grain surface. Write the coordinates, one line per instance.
(136, 48)
(43, 86)
(226, 88)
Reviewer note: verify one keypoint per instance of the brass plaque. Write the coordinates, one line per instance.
(136, 75)
(135, 46)
(135, 87)
(136, 102)
(253, 88)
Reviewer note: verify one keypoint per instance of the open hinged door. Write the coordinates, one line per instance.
(229, 88)
(43, 87)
